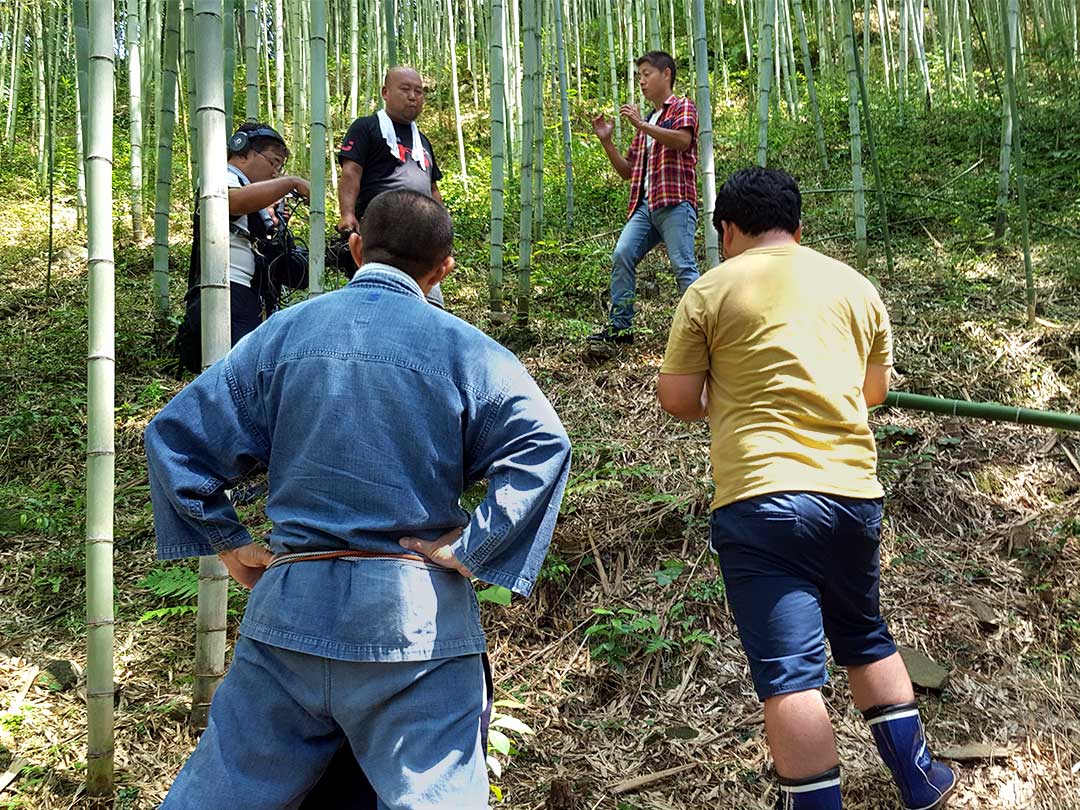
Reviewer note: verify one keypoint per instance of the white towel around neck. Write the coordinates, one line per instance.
(386, 128)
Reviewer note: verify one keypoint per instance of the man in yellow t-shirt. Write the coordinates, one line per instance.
(783, 350)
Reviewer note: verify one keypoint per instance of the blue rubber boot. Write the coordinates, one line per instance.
(924, 782)
(821, 792)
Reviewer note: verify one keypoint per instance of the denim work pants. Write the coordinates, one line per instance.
(279, 717)
(675, 225)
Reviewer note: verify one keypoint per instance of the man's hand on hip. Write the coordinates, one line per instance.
(246, 564)
(438, 550)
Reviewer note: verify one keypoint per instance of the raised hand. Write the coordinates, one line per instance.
(603, 127)
(631, 113)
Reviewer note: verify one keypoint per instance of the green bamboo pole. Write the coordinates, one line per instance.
(390, 29)
(564, 106)
(134, 53)
(216, 338)
(80, 149)
(317, 76)
(498, 154)
(189, 71)
(765, 69)
(537, 113)
(279, 63)
(529, 41)
(166, 125)
(101, 387)
(16, 73)
(652, 7)
(883, 208)
(1010, 19)
(452, 30)
(808, 69)
(983, 410)
(354, 58)
(82, 60)
(264, 58)
(228, 39)
(856, 133)
(613, 76)
(251, 60)
(705, 132)
(41, 45)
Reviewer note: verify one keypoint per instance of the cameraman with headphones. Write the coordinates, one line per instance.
(263, 257)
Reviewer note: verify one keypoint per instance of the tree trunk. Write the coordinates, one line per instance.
(135, 117)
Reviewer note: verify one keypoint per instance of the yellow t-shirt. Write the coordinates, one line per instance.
(785, 335)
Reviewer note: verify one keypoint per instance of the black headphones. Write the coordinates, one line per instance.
(240, 141)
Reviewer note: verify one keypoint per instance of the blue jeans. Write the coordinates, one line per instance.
(675, 225)
(279, 717)
(799, 567)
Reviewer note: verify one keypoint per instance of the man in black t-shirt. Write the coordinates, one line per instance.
(387, 151)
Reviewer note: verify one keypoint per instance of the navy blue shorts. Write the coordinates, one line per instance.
(799, 567)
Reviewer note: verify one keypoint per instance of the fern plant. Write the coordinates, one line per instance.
(176, 584)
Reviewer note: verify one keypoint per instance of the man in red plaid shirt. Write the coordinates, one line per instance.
(660, 166)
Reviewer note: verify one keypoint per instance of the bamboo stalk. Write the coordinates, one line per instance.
(216, 337)
(101, 387)
(983, 410)
(317, 76)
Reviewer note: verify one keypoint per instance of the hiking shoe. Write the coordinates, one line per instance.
(609, 334)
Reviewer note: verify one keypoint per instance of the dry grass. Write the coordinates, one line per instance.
(973, 510)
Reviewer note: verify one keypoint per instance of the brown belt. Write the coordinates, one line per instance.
(310, 556)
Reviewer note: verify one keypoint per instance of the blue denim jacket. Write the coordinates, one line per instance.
(373, 411)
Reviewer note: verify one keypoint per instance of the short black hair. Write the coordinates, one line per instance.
(407, 230)
(661, 60)
(260, 143)
(759, 200)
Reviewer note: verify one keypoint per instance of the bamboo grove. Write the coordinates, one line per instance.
(174, 77)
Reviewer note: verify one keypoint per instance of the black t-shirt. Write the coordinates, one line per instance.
(364, 144)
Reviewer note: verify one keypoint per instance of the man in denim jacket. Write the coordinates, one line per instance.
(373, 411)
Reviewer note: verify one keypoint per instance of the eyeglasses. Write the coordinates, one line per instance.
(275, 163)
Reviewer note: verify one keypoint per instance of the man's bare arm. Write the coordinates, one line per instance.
(348, 191)
(255, 196)
(683, 395)
(875, 384)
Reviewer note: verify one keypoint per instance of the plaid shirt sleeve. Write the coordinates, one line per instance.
(672, 178)
(683, 115)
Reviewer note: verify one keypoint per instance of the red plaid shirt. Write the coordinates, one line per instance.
(672, 178)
